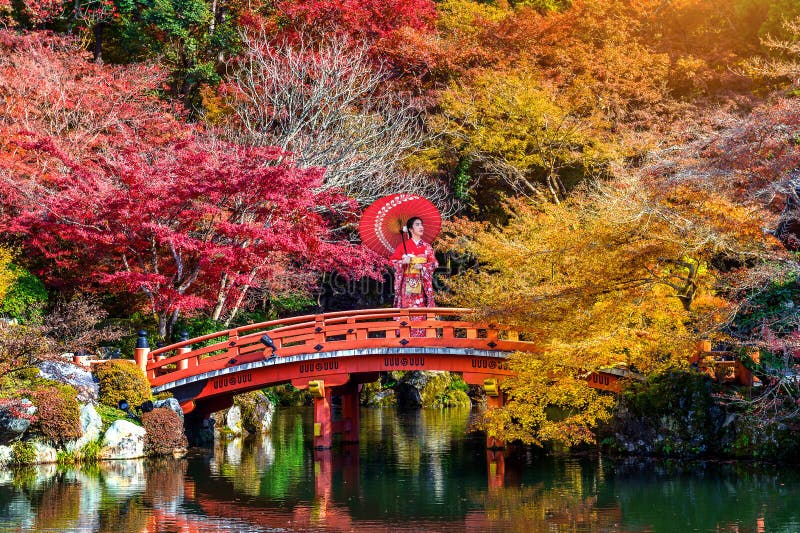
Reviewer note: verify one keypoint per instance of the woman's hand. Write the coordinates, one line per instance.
(407, 258)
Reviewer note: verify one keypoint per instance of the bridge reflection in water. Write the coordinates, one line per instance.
(410, 472)
(412, 484)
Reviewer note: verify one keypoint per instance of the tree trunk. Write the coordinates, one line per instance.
(221, 297)
(98, 42)
(162, 326)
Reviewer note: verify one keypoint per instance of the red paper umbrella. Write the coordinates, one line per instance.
(382, 222)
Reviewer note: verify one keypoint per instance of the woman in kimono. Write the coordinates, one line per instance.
(414, 264)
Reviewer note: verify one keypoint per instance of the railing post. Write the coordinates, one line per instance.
(80, 358)
(142, 350)
(404, 318)
(430, 331)
(183, 364)
(319, 330)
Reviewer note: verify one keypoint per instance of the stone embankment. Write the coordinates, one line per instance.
(105, 433)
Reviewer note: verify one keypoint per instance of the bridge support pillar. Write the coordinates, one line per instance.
(323, 427)
(494, 400)
(351, 414)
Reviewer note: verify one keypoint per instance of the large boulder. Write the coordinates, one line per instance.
(91, 427)
(123, 440)
(233, 420)
(45, 453)
(77, 377)
(5, 456)
(228, 423)
(408, 396)
(375, 395)
(170, 403)
(15, 419)
(263, 415)
(256, 411)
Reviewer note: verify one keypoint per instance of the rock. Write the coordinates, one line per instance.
(91, 423)
(408, 396)
(80, 379)
(123, 440)
(256, 411)
(233, 420)
(375, 395)
(91, 426)
(15, 418)
(420, 379)
(263, 413)
(44, 452)
(5, 454)
(170, 403)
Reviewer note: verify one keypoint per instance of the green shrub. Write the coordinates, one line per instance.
(164, 432)
(162, 396)
(111, 414)
(121, 380)
(59, 415)
(23, 453)
(65, 457)
(90, 451)
(26, 297)
(28, 374)
(452, 398)
(289, 396)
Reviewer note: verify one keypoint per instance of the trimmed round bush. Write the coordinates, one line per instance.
(122, 380)
(164, 432)
(58, 413)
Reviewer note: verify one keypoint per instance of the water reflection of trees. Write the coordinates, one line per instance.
(266, 466)
(415, 471)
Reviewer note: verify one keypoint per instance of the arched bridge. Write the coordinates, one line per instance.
(333, 353)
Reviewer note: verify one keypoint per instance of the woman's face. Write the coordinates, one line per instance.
(417, 229)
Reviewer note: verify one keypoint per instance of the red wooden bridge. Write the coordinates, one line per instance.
(332, 354)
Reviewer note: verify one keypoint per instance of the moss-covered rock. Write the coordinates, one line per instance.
(444, 389)
(773, 441)
(257, 410)
(671, 414)
(377, 395)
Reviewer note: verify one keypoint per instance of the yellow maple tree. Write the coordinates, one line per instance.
(618, 275)
(7, 274)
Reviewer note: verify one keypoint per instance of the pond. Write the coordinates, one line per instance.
(411, 471)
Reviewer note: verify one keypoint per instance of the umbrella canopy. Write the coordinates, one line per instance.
(382, 222)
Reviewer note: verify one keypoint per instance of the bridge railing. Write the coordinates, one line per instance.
(370, 328)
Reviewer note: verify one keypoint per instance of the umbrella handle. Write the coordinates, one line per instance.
(403, 236)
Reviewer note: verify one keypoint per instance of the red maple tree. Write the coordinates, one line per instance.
(187, 225)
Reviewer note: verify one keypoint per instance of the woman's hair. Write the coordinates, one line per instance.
(410, 223)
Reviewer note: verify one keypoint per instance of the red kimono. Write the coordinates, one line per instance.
(414, 287)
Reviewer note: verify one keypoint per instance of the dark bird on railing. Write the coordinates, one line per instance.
(267, 341)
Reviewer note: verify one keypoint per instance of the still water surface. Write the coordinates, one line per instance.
(411, 472)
